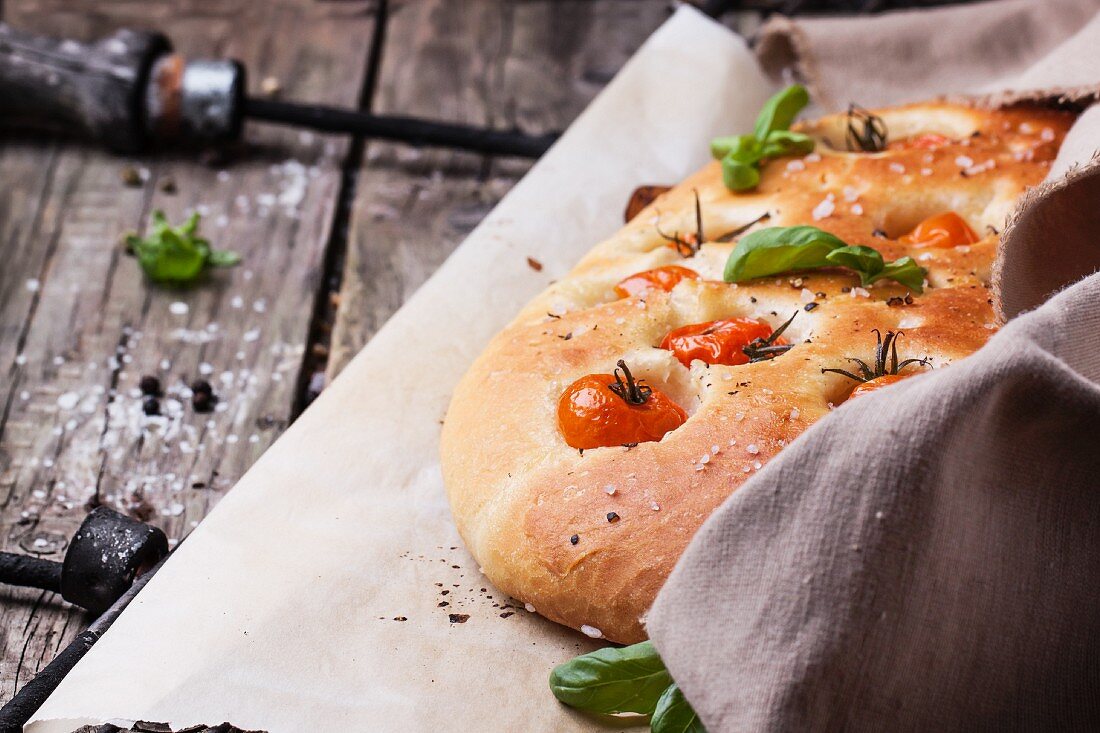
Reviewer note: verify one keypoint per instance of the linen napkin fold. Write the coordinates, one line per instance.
(928, 557)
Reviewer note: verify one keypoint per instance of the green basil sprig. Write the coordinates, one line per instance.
(176, 254)
(741, 154)
(630, 679)
(776, 250)
(674, 714)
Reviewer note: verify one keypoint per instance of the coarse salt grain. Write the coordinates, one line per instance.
(68, 400)
(796, 165)
(20, 359)
(860, 292)
(897, 167)
(757, 465)
(926, 171)
(795, 413)
(33, 285)
(739, 416)
(964, 161)
(179, 308)
(655, 506)
(529, 608)
(714, 449)
(850, 193)
(857, 209)
(1046, 135)
(591, 631)
(206, 368)
(812, 158)
(824, 209)
(705, 458)
(752, 448)
(609, 489)
(806, 296)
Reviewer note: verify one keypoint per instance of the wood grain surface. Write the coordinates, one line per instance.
(79, 325)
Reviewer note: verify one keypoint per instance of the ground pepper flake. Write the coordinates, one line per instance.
(458, 618)
(612, 516)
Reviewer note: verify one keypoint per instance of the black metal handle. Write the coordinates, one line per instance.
(29, 571)
(91, 90)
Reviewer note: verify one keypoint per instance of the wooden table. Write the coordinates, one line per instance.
(335, 235)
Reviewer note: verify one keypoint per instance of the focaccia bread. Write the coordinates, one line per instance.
(588, 537)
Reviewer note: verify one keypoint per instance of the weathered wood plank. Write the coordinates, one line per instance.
(531, 64)
(79, 326)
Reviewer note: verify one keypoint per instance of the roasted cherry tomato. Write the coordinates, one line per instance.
(929, 140)
(717, 342)
(876, 383)
(602, 410)
(660, 278)
(942, 230)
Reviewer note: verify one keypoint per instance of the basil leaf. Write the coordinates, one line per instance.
(612, 680)
(739, 176)
(742, 148)
(785, 142)
(223, 258)
(905, 271)
(779, 249)
(176, 254)
(864, 260)
(674, 714)
(779, 112)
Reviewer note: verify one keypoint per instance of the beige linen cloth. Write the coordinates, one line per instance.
(928, 557)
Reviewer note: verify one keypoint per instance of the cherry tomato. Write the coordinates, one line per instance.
(660, 278)
(942, 230)
(877, 383)
(717, 342)
(929, 140)
(592, 415)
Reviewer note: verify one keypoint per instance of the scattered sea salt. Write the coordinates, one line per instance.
(795, 413)
(806, 296)
(609, 489)
(179, 308)
(897, 167)
(860, 292)
(824, 209)
(591, 631)
(796, 165)
(752, 448)
(964, 161)
(529, 608)
(33, 285)
(857, 209)
(68, 400)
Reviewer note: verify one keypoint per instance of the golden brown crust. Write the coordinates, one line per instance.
(519, 493)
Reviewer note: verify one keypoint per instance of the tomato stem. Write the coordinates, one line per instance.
(632, 391)
(872, 137)
(886, 350)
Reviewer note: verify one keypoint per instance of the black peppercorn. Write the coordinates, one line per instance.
(150, 406)
(150, 385)
(574, 539)
(203, 401)
(612, 516)
(201, 385)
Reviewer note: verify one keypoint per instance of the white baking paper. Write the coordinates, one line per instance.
(277, 613)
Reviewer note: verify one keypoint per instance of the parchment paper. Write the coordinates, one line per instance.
(278, 612)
